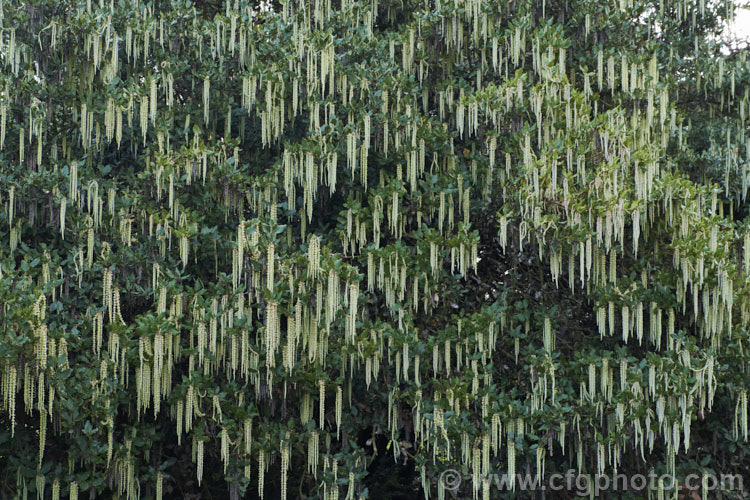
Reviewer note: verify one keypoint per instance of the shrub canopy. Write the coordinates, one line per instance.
(330, 249)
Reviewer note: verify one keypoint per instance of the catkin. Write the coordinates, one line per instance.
(313, 269)
(321, 399)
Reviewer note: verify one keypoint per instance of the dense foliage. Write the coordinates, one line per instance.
(329, 249)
